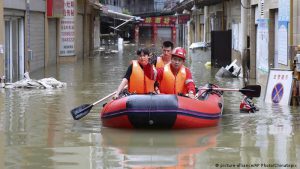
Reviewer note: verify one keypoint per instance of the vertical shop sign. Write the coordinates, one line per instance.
(283, 42)
(283, 23)
(284, 10)
(67, 29)
(262, 45)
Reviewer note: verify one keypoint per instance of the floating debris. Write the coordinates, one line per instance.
(198, 45)
(232, 70)
(27, 82)
(114, 51)
(207, 64)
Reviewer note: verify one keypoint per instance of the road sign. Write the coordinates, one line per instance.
(279, 87)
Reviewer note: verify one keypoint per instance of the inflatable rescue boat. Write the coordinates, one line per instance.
(164, 111)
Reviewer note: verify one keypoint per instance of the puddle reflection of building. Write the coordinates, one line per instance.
(270, 137)
(152, 149)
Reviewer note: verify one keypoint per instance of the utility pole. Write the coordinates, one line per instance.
(244, 30)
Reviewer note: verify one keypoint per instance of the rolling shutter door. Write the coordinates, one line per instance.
(164, 33)
(37, 40)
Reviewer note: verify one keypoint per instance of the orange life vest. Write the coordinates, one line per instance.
(171, 84)
(159, 63)
(139, 83)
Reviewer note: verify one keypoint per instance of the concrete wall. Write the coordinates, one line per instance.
(39, 33)
(233, 12)
(270, 8)
(52, 42)
(253, 2)
(140, 7)
(15, 4)
(79, 36)
(271, 4)
(296, 22)
(80, 6)
(252, 34)
(35, 5)
(233, 16)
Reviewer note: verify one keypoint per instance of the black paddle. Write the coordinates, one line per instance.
(84, 109)
(250, 90)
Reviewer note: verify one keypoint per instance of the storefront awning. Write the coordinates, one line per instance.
(119, 16)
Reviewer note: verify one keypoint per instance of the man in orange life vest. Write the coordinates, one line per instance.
(135, 78)
(174, 78)
(165, 58)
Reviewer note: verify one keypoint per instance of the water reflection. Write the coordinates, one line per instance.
(154, 149)
(265, 137)
(37, 130)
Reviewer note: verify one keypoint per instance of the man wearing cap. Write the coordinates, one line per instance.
(174, 78)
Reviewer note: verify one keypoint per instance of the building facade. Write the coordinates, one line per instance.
(35, 34)
(159, 23)
(270, 27)
(157, 15)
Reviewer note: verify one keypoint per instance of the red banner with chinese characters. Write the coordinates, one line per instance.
(55, 8)
(67, 29)
(159, 21)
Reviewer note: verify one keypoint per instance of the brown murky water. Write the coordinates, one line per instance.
(37, 130)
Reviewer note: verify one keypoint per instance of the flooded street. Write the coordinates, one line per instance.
(37, 130)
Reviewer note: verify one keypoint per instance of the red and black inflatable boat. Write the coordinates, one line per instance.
(164, 111)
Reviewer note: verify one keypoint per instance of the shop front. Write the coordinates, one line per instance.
(157, 29)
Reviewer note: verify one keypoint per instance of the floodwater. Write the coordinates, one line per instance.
(37, 130)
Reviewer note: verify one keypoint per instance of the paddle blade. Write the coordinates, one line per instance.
(251, 90)
(81, 111)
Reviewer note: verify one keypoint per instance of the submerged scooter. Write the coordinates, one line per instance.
(247, 105)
